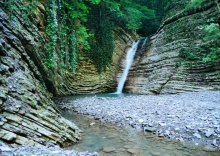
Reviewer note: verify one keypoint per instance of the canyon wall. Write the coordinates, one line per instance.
(27, 113)
(86, 79)
(159, 68)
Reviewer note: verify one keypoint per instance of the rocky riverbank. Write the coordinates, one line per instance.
(190, 117)
(18, 150)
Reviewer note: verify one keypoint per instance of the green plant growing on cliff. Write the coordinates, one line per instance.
(24, 8)
(194, 3)
(102, 20)
(209, 50)
(51, 30)
(66, 33)
(212, 42)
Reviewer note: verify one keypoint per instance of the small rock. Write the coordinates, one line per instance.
(209, 148)
(133, 151)
(170, 116)
(150, 129)
(155, 153)
(189, 127)
(197, 135)
(217, 131)
(162, 124)
(140, 120)
(91, 124)
(127, 146)
(216, 142)
(5, 149)
(108, 149)
(208, 133)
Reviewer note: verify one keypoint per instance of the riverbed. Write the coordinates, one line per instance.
(111, 140)
(188, 117)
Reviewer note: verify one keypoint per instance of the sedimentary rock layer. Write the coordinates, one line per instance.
(160, 69)
(86, 79)
(27, 113)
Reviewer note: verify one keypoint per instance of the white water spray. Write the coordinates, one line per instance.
(128, 63)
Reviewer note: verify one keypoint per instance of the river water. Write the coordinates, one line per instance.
(109, 140)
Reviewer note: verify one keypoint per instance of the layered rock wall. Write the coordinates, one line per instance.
(159, 70)
(27, 113)
(87, 80)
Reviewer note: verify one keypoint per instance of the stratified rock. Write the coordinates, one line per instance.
(160, 69)
(27, 113)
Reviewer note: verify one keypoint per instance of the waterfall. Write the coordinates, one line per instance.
(128, 63)
(145, 41)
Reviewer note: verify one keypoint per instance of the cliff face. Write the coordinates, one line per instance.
(160, 69)
(27, 113)
(87, 80)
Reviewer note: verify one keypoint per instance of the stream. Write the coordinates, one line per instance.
(110, 140)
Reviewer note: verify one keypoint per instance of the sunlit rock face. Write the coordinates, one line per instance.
(159, 68)
(27, 113)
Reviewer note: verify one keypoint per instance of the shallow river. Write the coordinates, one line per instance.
(116, 141)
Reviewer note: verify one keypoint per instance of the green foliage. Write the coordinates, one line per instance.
(67, 34)
(24, 8)
(102, 42)
(209, 50)
(187, 54)
(212, 44)
(76, 26)
(51, 30)
(194, 3)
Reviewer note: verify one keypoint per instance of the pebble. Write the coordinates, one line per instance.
(91, 124)
(133, 151)
(155, 153)
(150, 129)
(197, 135)
(140, 120)
(108, 149)
(208, 133)
(24, 150)
(162, 124)
(209, 148)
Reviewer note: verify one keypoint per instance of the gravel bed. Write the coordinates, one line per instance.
(191, 117)
(22, 150)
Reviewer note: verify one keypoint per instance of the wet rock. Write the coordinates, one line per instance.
(217, 131)
(127, 146)
(216, 142)
(162, 124)
(108, 149)
(208, 133)
(150, 129)
(155, 153)
(209, 148)
(91, 124)
(197, 135)
(140, 120)
(7, 135)
(133, 151)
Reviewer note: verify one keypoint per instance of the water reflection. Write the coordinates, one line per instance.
(100, 95)
(116, 141)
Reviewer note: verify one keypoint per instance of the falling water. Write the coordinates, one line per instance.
(145, 41)
(128, 63)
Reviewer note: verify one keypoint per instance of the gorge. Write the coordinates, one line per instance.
(182, 55)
